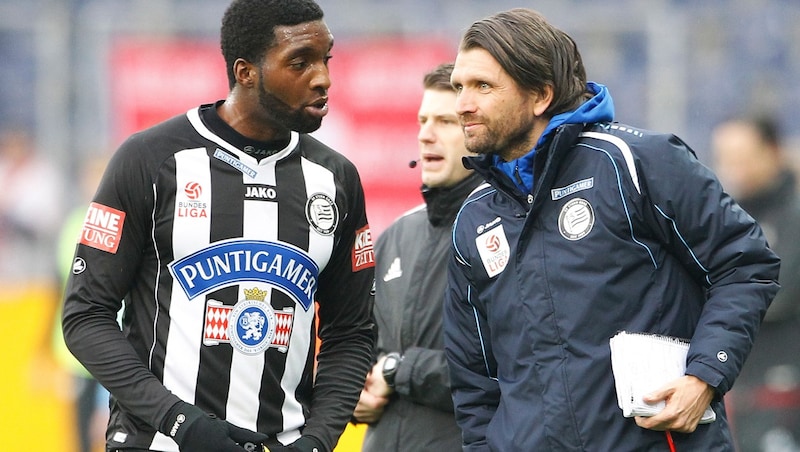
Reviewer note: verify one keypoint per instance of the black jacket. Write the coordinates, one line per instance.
(411, 265)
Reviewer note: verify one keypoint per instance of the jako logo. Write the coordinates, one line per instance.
(178, 421)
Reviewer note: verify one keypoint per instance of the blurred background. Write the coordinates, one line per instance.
(78, 76)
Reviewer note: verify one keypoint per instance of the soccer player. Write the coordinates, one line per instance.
(219, 229)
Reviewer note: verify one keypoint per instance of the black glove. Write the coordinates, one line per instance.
(196, 431)
(304, 444)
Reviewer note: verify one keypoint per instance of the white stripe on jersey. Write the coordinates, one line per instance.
(180, 375)
(319, 180)
(259, 223)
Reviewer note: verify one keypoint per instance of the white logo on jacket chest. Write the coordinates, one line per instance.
(395, 270)
(576, 219)
(494, 250)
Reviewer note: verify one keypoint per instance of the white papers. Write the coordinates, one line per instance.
(642, 363)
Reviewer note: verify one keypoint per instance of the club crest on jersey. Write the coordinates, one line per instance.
(322, 213)
(234, 261)
(494, 250)
(576, 219)
(251, 326)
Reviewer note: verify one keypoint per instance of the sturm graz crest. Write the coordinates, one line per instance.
(322, 213)
(251, 325)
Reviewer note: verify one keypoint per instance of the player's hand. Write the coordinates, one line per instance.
(687, 399)
(304, 444)
(370, 407)
(197, 431)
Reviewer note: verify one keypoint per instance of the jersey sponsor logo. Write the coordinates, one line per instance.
(585, 184)
(102, 228)
(246, 322)
(494, 250)
(233, 261)
(193, 208)
(576, 219)
(363, 251)
(261, 192)
(219, 154)
(322, 213)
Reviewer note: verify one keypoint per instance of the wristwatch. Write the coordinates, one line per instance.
(390, 365)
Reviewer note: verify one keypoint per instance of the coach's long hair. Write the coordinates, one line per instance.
(534, 54)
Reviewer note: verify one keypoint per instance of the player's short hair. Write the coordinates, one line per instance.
(248, 27)
(534, 53)
(439, 78)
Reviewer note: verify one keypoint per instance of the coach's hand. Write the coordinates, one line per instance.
(197, 431)
(304, 444)
(686, 400)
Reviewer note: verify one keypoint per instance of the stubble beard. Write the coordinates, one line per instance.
(503, 143)
(284, 115)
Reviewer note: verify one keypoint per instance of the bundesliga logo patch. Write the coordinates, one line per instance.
(251, 326)
(494, 250)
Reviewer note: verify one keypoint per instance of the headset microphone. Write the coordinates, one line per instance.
(413, 163)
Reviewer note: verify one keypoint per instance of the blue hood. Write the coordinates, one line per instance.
(600, 108)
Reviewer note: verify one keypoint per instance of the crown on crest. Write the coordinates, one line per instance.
(255, 294)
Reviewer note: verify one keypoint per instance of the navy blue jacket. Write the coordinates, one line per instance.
(623, 230)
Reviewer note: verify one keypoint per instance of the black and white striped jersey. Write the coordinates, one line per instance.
(219, 258)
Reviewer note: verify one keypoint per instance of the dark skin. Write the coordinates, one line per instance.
(286, 91)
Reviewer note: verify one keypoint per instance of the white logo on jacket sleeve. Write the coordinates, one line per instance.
(494, 250)
(576, 219)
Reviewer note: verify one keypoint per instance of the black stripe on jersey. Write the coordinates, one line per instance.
(292, 228)
(165, 211)
(219, 358)
(226, 223)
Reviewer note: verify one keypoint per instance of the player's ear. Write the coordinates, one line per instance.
(245, 73)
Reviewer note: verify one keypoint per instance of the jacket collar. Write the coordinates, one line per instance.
(443, 203)
(598, 108)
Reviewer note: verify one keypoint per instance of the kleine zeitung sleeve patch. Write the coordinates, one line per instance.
(363, 252)
(102, 228)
